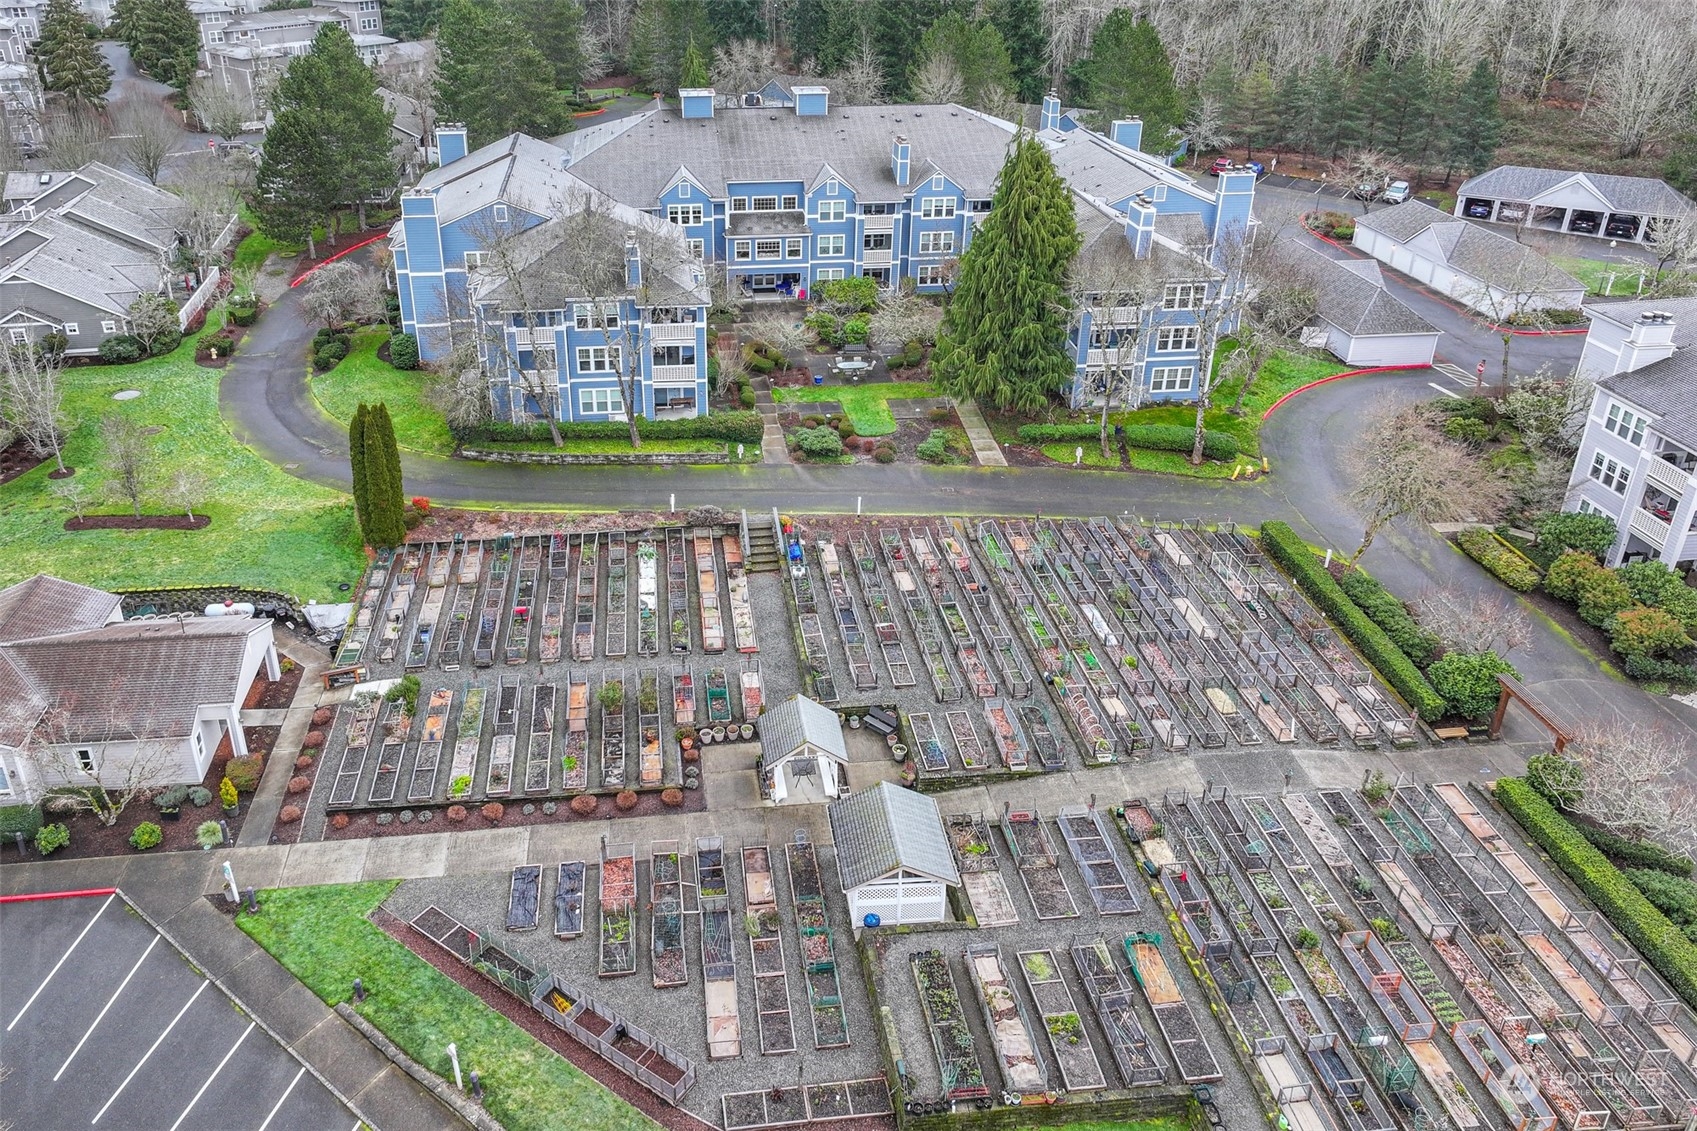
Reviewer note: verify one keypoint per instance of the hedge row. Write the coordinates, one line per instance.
(1160, 437)
(1283, 546)
(1499, 557)
(1635, 853)
(1391, 615)
(735, 427)
(1661, 942)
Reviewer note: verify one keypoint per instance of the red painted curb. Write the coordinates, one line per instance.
(338, 255)
(40, 895)
(590, 113)
(1274, 407)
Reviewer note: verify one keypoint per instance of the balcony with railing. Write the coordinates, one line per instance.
(1671, 472)
(674, 374)
(1650, 527)
(673, 332)
(879, 223)
(875, 257)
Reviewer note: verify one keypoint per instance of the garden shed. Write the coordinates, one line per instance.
(802, 754)
(1357, 318)
(893, 856)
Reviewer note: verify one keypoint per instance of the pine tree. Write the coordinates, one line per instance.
(1021, 25)
(383, 480)
(1255, 112)
(1004, 334)
(491, 77)
(332, 86)
(356, 463)
(977, 53)
(412, 19)
(661, 32)
(1373, 97)
(1335, 109)
(1477, 123)
(67, 60)
(164, 40)
(1127, 73)
(693, 73)
(1291, 101)
(556, 28)
(736, 19)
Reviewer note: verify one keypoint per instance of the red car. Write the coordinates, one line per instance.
(1221, 165)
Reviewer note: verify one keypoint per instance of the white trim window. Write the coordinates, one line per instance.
(1609, 473)
(5, 781)
(1183, 296)
(1625, 423)
(936, 243)
(768, 249)
(827, 274)
(1176, 339)
(937, 208)
(739, 204)
(931, 275)
(473, 259)
(793, 248)
(600, 402)
(1586, 506)
(832, 211)
(1172, 379)
(18, 335)
(764, 204)
(697, 248)
(791, 203)
(500, 213)
(583, 316)
(741, 250)
(683, 215)
(683, 190)
(108, 327)
(72, 329)
(597, 359)
(85, 759)
(830, 245)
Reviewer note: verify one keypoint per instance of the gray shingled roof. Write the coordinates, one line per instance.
(85, 265)
(1625, 311)
(882, 829)
(1637, 195)
(1473, 250)
(774, 144)
(1668, 390)
(48, 606)
(798, 720)
(1352, 295)
(518, 169)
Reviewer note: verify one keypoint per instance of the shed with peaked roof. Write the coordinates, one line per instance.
(802, 753)
(1359, 320)
(893, 856)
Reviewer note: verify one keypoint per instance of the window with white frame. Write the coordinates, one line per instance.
(500, 211)
(936, 243)
(684, 215)
(832, 187)
(368, 24)
(790, 204)
(598, 401)
(698, 248)
(768, 249)
(597, 359)
(1586, 506)
(1172, 339)
(826, 274)
(830, 245)
(764, 203)
(108, 327)
(740, 249)
(19, 336)
(473, 259)
(739, 204)
(683, 190)
(72, 329)
(937, 182)
(5, 781)
(931, 275)
(1171, 379)
(937, 207)
(584, 316)
(1609, 473)
(1625, 423)
(1183, 296)
(830, 211)
(792, 248)
(85, 759)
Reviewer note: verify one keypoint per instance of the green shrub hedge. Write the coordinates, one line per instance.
(1159, 437)
(1391, 615)
(1283, 546)
(15, 819)
(1499, 557)
(1635, 853)
(736, 427)
(1661, 943)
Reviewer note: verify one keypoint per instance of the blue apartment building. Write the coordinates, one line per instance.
(785, 191)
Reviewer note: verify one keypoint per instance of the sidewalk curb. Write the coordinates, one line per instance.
(1276, 405)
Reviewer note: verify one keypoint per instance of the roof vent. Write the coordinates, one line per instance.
(45, 179)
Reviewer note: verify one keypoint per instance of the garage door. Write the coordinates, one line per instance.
(1397, 350)
(1402, 259)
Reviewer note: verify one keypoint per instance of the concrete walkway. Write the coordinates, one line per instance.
(772, 446)
(267, 801)
(984, 446)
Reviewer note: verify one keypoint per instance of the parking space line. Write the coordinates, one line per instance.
(96, 1022)
(283, 1098)
(59, 963)
(150, 1051)
(214, 1076)
(1443, 390)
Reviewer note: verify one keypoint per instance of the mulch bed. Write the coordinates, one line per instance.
(131, 522)
(365, 824)
(227, 340)
(533, 1023)
(444, 523)
(15, 459)
(90, 838)
(269, 695)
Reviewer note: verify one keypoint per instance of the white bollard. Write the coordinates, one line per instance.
(1328, 559)
(857, 504)
(674, 504)
(454, 1055)
(1078, 456)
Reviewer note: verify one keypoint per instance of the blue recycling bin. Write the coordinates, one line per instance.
(818, 378)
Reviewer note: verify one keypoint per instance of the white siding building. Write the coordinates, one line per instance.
(1357, 318)
(893, 856)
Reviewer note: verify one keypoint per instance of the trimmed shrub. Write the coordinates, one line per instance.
(585, 803)
(1637, 853)
(672, 797)
(1467, 430)
(1568, 572)
(326, 358)
(493, 811)
(313, 739)
(227, 796)
(455, 813)
(171, 797)
(1601, 595)
(1660, 942)
(761, 365)
(1391, 615)
(244, 313)
(245, 772)
(1157, 437)
(818, 443)
(734, 427)
(859, 292)
(304, 762)
(321, 717)
(746, 398)
(289, 814)
(1646, 632)
(884, 455)
(146, 835)
(403, 351)
(1502, 560)
(855, 329)
(1672, 896)
(626, 800)
(1291, 552)
(340, 821)
(934, 448)
(299, 784)
(14, 819)
(52, 838)
(1569, 530)
(1654, 584)
(200, 797)
(120, 349)
(1468, 681)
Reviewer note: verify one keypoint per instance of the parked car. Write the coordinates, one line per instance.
(1220, 165)
(1478, 209)
(1585, 223)
(1620, 229)
(1255, 167)
(1396, 193)
(1366, 190)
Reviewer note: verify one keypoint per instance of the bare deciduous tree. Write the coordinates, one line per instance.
(1368, 171)
(71, 139)
(1633, 783)
(1285, 296)
(1116, 294)
(458, 388)
(785, 335)
(186, 488)
(1674, 241)
(937, 82)
(147, 135)
(1645, 73)
(1400, 466)
(1475, 622)
(903, 317)
(342, 292)
(126, 764)
(74, 493)
(1549, 411)
(209, 195)
(221, 111)
(152, 319)
(743, 65)
(1205, 125)
(129, 458)
(859, 81)
(32, 400)
(1519, 298)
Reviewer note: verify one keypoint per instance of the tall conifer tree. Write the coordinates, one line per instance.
(356, 463)
(383, 479)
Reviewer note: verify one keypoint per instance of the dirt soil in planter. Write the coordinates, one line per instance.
(365, 824)
(273, 695)
(90, 838)
(131, 522)
(261, 740)
(443, 523)
(15, 459)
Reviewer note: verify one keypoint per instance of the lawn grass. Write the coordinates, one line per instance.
(751, 452)
(1062, 452)
(1178, 463)
(867, 406)
(1594, 273)
(321, 935)
(1282, 373)
(269, 530)
(364, 377)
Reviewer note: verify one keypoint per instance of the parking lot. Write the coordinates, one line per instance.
(107, 1025)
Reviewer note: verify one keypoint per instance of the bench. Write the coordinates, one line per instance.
(1450, 732)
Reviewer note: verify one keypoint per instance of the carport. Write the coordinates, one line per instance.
(1573, 203)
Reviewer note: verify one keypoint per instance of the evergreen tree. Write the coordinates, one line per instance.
(412, 19)
(1004, 334)
(1333, 110)
(1021, 25)
(1405, 107)
(977, 54)
(123, 18)
(1429, 121)
(556, 28)
(1476, 124)
(693, 74)
(1680, 167)
(807, 25)
(661, 32)
(1255, 111)
(736, 19)
(331, 87)
(491, 77)
(1375, 93)
(1127, 74)
(356, 463)
(1296, 130)
(67, 60)
(164, 40)
(296, 186)
(383, 480)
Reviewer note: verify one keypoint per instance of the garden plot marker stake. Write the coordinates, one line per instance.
(252, 902)
(476, 1087)
(359, 990)
(230, 878)
(454, 1055)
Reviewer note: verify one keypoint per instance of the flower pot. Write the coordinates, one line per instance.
(898, 752)
(706, 737)
(854, 722)
(718, 734)
(747, 731)
(687, 743)
(169, 814)
(232, 810)
(890, 738)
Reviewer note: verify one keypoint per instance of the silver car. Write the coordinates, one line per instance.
(1396, 192)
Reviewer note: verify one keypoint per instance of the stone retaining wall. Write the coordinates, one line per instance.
(673, 459)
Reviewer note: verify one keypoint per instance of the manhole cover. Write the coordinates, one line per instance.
(126, 394)
(326, 452)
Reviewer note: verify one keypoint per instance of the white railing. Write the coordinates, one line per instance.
(673, 332)
(879, 223)
(1650, 528)
(202, 297)
(1668, 477)
(674, 374)
(521, 336)
(878, 258)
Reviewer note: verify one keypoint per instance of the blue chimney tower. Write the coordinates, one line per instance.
(633, 263)
(901, 157)
(1051, 119)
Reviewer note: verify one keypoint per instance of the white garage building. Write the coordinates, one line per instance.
(1475, 266)
(893, 856)
(802, 754)
(1598, 205)
(1357, 318)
